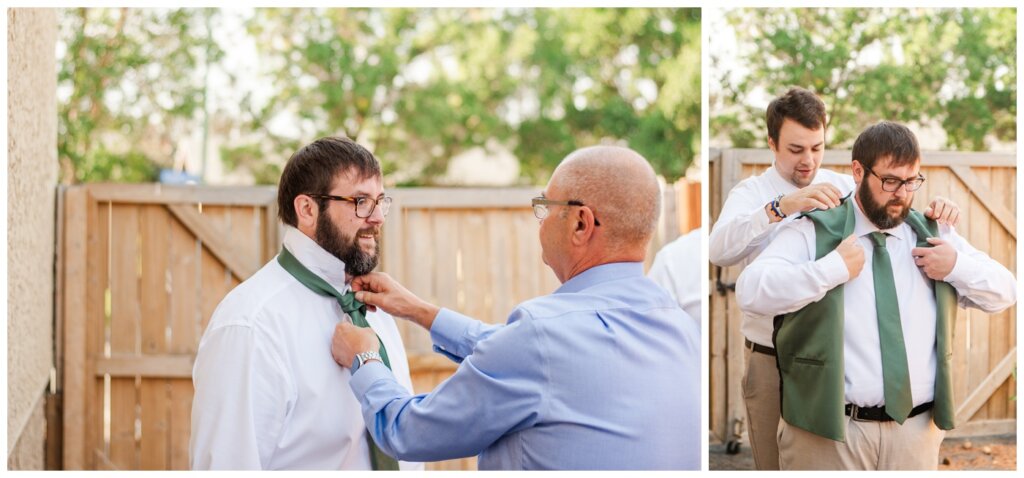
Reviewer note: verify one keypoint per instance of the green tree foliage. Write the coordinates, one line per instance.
(420, 86)
(956, 67)
(128, 89)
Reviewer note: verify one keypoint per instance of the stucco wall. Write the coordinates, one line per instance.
(31, 202)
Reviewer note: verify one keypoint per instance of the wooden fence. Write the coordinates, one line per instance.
(984, 186)
(142, 267)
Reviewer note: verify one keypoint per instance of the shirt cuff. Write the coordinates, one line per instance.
(367, 375)
(448, 333)
(964, 269)
(833, 269)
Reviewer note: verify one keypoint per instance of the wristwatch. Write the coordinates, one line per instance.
(363, 357)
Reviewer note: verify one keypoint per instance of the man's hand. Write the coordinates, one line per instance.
(853, 255)
(943, 211)
(380, 290)
(350, 340)
(936, 262)
(815, 196)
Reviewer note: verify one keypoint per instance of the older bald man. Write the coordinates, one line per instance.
(601, 374)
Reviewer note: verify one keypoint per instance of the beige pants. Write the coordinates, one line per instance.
(869, 446)
(761, 397)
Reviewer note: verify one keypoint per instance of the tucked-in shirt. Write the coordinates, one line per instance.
(786, 277)
(268, 394)
(602, 374)
(743, 230)
(676, 268)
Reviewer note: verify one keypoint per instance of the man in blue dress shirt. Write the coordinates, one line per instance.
(601, 374)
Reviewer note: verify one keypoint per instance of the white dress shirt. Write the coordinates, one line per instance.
(676, 268)
(743, 230)
(785, 278)
(268, 394)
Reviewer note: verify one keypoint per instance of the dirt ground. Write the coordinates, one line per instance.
(976, 453)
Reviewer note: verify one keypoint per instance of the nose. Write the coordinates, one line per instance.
(377, 216)
(902, 191)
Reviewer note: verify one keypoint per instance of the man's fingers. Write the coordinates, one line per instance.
(823, 198)
(369, 298)
(818, 204)
(833, 194)
(937, 208)
(954, 218)
(935, 241)
(921, 251)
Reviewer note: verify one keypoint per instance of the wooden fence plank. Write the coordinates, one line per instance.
(76, 248)
(185, 333)
(153, 392)
(97, 323)
(419, 264)
(475, 288)
(124, 332)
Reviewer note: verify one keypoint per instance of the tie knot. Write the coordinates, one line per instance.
(878, 238)
(349, 303)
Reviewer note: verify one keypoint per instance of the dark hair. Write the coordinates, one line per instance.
(799, 105)
(886, 139)
(312, 170)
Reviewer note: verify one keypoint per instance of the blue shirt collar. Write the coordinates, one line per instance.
(602, 273)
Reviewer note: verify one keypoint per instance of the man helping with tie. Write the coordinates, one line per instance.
(602, 374)
(268, 395)
(864, 366)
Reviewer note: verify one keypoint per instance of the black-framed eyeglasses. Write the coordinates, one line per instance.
(540, 207)
(364, 205)
(891, 185)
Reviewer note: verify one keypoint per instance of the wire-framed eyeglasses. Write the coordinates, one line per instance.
(540, 207)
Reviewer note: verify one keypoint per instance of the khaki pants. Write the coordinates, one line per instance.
(869, 446)
(761, 397)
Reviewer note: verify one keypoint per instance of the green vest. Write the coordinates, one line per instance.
(809, 342)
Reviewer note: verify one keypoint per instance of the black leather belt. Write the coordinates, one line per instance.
(759, 348)
(877, 414)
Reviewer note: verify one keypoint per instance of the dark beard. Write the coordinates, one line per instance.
(347, 249)
(875, 212)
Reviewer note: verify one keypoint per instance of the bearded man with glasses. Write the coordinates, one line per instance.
(864, 296)
(267, 393)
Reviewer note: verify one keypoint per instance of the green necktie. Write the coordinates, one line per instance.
(357, 311)
(895, 371)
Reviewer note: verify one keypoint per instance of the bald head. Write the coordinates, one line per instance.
(620, 187)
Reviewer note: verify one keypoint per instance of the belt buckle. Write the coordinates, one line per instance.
(853, 413)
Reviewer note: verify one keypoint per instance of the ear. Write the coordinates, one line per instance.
(858, 171)
(772, 146)
(306, 211)
(583, 226)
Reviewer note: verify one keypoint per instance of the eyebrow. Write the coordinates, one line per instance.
(800, 146)
(890, 176)
(361, 193)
